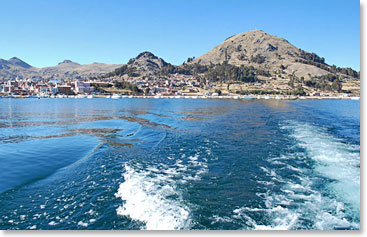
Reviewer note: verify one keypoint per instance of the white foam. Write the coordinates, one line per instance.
(52, 223)
(217, 219)
(147, 199)
(150, 193)
(334, 159)
(298, 204)
(82, 224)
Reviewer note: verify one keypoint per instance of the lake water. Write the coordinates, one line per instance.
(179, 164)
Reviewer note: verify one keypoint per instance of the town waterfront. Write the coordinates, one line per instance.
(139, 163)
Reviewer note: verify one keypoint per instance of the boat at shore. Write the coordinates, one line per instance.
(247, 97)
(115, 96)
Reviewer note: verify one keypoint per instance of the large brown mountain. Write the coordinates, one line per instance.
(268, 52)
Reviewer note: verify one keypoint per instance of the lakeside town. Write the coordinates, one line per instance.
(179, 86)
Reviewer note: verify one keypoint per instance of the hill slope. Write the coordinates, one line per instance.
(145, 63)
(268, 52)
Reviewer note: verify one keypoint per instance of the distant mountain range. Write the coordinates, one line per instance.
(15, 67)
(250, 54)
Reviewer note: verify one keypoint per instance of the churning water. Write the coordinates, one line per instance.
(179, 164)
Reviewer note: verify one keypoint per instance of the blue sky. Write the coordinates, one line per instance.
(45, 32)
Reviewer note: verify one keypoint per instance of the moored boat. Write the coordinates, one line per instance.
(115, 96)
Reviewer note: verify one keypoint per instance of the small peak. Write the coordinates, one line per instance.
(66, 61)
(147, 55)
(255, 32)
(14, 59)
(259, 31)
(19, 62)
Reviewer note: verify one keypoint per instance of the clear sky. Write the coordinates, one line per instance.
(45, 32)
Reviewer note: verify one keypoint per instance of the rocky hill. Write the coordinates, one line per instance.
(13, 63)
(145, 63)
(271, 53)
(15, 67)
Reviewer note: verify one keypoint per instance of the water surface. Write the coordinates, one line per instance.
(179, 164)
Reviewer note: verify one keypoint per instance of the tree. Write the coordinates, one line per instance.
(147, 90)
(336, 86)
(291, 83)
(127, 85)
(190, 59)
(258, 59)
(218, 91)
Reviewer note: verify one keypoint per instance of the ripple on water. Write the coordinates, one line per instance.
(34, 160)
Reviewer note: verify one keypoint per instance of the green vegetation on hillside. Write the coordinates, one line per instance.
(125, 69)
(311, 57)
(127, 85)
(216, 73)
(227, 72)
(327, 82)
(315, 60)
(257, 59)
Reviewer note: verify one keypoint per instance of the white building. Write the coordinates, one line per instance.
(83, 87)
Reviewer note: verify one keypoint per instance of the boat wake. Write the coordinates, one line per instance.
(152, 198)
(153, 194)
(316, 185)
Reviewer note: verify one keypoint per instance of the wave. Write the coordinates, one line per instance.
(316, 185)
(153, 199)
(334, 159)
(153, 194)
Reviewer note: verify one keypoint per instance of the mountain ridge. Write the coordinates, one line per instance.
(248, 57)
(267, 52)
(67, 69)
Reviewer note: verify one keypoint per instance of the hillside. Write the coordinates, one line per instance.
(268, 52)
(15, 67)
(144, 64)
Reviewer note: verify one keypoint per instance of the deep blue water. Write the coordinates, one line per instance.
(179, 164)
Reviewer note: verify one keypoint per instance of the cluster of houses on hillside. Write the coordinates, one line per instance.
(175, 85)
(44, 88)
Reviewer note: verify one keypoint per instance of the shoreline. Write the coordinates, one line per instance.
(236, 97)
